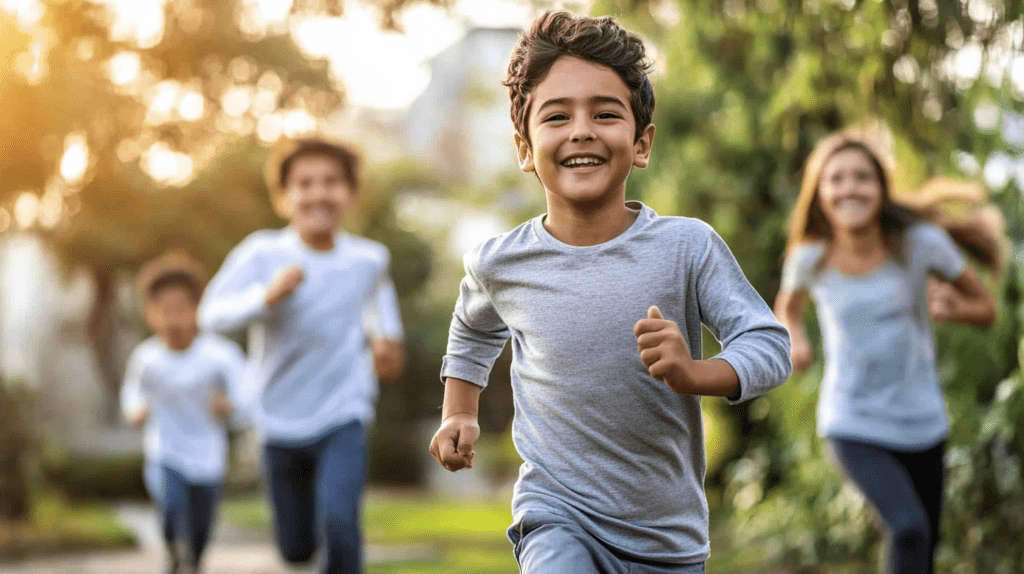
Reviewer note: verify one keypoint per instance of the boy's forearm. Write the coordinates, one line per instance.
(460, 398)
(717, 378)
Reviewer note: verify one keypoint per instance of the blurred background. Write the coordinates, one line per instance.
(131, 126)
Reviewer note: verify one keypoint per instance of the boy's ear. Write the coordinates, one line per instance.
(642, 147)
(525, 153)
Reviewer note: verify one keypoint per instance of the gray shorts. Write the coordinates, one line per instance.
(546, 543)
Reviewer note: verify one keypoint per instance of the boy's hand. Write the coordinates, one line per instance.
(283, 284)
(219, 405)
(664, 351)
(138, 417)
(452, 444)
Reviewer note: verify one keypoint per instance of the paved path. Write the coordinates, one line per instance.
(232, 551)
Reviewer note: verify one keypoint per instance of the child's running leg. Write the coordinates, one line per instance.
(928, 470)
(289, 482)
(552, 544)
(203, 500)
(888, 486)
(341, 474)
(174, 510)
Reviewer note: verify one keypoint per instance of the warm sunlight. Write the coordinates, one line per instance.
(75, 160)
(166, 165)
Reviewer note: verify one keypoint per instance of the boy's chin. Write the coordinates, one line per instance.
(318, 229)
(588, 198)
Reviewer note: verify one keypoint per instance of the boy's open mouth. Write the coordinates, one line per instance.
(582, 161)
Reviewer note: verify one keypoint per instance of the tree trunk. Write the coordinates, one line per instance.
(101, 328)
(14, 502)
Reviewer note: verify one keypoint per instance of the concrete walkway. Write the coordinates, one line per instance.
(231, 551)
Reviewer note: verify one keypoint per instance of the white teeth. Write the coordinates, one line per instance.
(577, 161)
(851, 203)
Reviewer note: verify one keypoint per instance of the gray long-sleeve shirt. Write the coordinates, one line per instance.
(602, 441)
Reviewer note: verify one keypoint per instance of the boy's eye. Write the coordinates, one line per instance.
(607, 116)
(556, 118)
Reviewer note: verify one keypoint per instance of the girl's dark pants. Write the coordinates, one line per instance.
(316, 490)
(905, 490)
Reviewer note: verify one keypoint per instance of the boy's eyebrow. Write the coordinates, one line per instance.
(594, 99)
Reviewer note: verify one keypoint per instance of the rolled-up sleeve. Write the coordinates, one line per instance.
(753, 341)
(477, 333)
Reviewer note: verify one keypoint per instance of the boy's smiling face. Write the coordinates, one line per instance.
(319, 196)
(581, 135)
(171, 314)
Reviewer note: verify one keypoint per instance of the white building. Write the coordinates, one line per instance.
(460, 125)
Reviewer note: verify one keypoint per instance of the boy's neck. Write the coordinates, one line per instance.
(179, 346)
(585, 227)
(318, 242)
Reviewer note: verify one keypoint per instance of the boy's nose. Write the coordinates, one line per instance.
(581, 130)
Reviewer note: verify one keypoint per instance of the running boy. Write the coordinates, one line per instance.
(304, 292)
(604, 302)
(178, 383)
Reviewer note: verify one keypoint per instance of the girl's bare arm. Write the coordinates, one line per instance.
(789, 310)
(964, 300)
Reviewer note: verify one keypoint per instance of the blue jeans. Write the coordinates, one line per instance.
(187, 511)
(316, 491)
(905, 490)
(548, 543)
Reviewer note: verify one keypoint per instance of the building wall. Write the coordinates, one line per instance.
(460, 125)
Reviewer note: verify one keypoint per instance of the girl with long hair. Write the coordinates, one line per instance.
(866, 262)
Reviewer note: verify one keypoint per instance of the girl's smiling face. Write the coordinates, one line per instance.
(850, 191)
(581, 134)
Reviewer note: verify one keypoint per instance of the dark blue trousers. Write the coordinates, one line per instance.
(905, 490)
(316, 491)
(187, 511)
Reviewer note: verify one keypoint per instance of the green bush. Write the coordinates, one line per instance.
(91, 478)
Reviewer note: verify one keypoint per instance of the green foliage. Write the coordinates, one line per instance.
(16, 441)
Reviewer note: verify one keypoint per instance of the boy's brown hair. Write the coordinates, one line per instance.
(287, 150)
(172, 269)
(599, 40)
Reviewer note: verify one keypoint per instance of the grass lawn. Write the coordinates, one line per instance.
(57, 526)
(467, 537)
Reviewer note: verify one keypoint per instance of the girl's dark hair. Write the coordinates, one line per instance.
(978, 236)
(599, 40)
